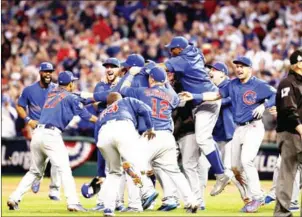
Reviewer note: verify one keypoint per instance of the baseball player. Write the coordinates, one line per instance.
(188, 63)
(33, 98)
(250, 97)
(161, 151)
(112, 66)
(271, 196)
(59, 108)
(117, 140)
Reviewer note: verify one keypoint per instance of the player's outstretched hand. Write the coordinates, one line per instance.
(185, 96)
(150, 134)
(86, 95)
(135, 70)
(258, 112)
(33, 123)
(100, 180)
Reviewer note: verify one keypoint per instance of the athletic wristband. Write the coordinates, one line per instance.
(27, 119)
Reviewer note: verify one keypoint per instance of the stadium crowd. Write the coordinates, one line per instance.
(79, 35)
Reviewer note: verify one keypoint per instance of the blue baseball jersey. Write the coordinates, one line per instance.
(189, 67)
(225, 125)
(126, 109)
(33, 97)
(60, 107)
(246, 97)
(160, 99)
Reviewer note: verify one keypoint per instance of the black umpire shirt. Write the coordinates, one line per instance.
(289, 103)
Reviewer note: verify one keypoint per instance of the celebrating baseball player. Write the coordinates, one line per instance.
(117, 140)
(161, 151)
(33, 98)
(188, 63)
(250, 97)
(60, 107)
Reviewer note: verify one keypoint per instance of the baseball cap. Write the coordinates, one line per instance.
(112, 61)
(220, 67)
(158, 74)
(66, 77)
(243, 60)
(178, 41)
(295, 57)
(46, 66)
(134, 60)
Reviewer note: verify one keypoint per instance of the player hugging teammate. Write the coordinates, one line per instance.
(135, 137)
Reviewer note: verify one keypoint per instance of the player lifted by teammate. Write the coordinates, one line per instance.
(250, 97)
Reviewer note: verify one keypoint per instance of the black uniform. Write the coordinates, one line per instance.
(289, 103)
(289, 116)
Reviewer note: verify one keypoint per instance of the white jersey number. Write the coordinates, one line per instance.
(284, 92)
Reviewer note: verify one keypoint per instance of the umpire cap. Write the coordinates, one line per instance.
(295, 57)
(46, 67)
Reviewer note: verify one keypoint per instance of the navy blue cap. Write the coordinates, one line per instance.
(243, 60)
(66, 77)
(220, 67)
(134, 60)
(178, 41)
(87, 191)
(46, 66)
(158, 74)
(112, 61)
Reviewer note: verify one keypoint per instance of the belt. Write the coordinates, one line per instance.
(248, 122)
(50, 127)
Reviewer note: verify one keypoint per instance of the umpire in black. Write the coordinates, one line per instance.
(289, 133)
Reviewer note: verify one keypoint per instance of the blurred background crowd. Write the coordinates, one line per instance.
(79, 35)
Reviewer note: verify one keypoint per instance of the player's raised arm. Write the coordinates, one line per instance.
(125, 87)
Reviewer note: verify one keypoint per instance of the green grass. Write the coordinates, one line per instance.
(228, 203)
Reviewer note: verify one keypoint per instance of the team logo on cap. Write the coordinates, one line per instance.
(249, 97)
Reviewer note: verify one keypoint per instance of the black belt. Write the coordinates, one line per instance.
(51, 127)
(248, 122)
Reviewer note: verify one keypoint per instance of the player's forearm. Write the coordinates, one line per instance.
(21, 111)
(207, 96)
(226, 102)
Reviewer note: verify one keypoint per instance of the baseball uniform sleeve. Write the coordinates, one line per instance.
(226, 101)
(288, 103)
(225, 91)
(99, 87)
(23, 99)
(78, 108)
(268, 93)
(143, 110)
(175, 64)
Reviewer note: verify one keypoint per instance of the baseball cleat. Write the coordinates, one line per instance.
(98, 207)
(130, 209)
(35, 187)
(268, 199)
(148, 201)
(221, 181)
(120, 208)
(192, 208)
(151, 207)
(167, 207)
(130, 171)
(76, 208)
(53, 197)
(294, 206)
(12, 205)
(253, 206)
(108, 212)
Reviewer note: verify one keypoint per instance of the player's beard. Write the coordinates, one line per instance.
(46, 80)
